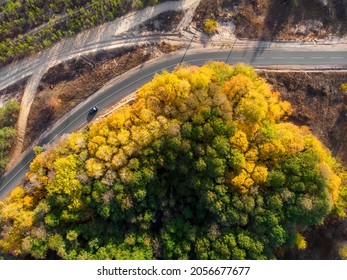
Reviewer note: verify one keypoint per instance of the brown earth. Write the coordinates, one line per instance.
(165, 22)
(67, 84)
(206, 9)
(278, 19)
(323, 242)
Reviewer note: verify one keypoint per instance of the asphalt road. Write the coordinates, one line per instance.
(79, 116)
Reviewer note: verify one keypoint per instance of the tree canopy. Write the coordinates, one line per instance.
(8, 118)
(203, 165)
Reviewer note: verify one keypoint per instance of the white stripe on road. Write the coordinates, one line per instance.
(20, 170)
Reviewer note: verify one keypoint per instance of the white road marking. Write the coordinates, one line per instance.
(337, 57)
(297, 57)
(9, 181)
(317, 57)
(278, 57)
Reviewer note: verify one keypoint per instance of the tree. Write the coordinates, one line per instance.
(300, 241)
(343, 87)
(210, 26)
(7, 135)
(38, 150)
(9, 114)
(343, 252)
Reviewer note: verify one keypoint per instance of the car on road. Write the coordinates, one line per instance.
(93, 110)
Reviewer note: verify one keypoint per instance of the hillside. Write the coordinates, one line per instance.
(203, 165)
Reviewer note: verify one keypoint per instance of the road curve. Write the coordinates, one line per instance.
(131, 81)
(109, 35)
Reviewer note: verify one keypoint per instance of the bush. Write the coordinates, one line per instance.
(210, 26)
(343, 252)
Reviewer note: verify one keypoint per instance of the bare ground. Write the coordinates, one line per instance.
(323, 242)
(164, 22)
(278, 19)
(206, 9)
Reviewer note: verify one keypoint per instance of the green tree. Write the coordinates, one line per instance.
(7, 135)
(9, 114)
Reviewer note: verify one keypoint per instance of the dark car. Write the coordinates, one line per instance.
(93, 110)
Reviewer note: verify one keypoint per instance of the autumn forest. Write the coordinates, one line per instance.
(203, 165)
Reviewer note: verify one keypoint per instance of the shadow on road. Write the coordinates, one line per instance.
(90, 117)
(259, 49)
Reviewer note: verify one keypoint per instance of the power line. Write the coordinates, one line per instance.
(231, 49)
(191, 41)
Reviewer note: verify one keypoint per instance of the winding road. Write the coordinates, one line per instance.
(132, 80)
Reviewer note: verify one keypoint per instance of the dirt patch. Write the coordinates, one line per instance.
(13, 92)
(67, 84)
(164, 22)
(318, 103)
(206, 9)
(273, 19)
(278, 19)
(323, 242)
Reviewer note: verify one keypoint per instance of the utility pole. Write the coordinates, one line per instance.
(191, 41)
(231, 49)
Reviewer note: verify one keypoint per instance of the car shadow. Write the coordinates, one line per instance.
(90, 117)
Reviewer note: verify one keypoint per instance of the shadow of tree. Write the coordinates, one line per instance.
(90, 117)
(338, 9)
(278, 19)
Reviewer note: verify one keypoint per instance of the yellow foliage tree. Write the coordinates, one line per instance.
(343, 87)
(239, 141)
(210, 26)
(300, 241)
(104, 153)
(94, 168)
(260, 174)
